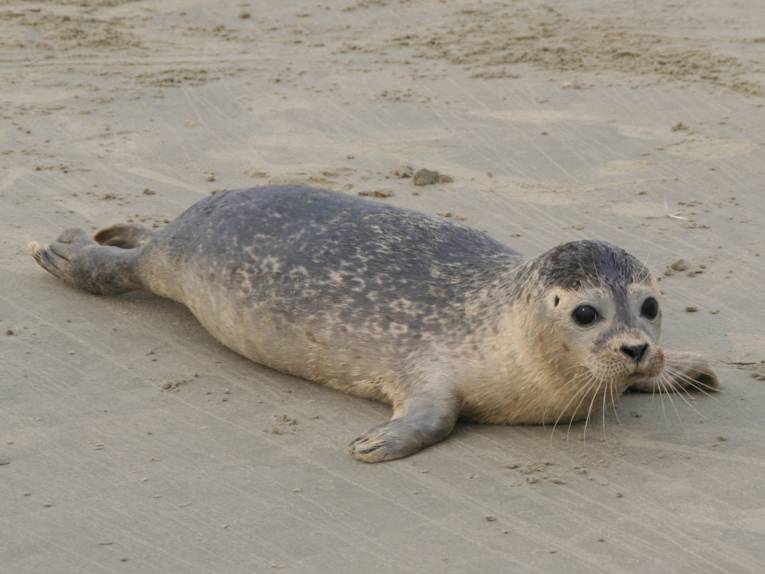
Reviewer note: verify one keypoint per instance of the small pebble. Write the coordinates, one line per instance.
(381, 193)
(679, 265)
(429, 177)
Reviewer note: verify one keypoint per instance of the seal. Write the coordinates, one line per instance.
(436, 319)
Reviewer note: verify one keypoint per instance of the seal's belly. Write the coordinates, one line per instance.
(316, 349)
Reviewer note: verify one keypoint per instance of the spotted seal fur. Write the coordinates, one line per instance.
(436, 319)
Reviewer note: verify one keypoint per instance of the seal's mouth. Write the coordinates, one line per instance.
(643, 371)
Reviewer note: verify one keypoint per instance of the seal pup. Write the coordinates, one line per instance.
(436, 319)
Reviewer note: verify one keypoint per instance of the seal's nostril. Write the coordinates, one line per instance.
(635, 352)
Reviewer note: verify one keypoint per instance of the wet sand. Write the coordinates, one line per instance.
(130, 441)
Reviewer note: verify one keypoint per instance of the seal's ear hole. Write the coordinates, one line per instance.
(557, 300)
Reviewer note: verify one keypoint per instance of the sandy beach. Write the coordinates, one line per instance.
(132, 442)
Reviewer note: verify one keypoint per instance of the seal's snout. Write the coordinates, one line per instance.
(635, 352)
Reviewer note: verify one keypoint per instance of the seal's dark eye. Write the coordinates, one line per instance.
(650, 308)
(585, 315)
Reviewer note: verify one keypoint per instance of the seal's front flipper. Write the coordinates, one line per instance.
(77, 259)
(682, 372)
(420, 421)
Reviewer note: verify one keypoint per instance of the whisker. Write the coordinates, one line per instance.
(565, 408)
(668, 386)
(590, 384)
(659, 386)
(589, 409)
(688, 380)
(680, 365)
(572, 381)
(681, 391)
(613, 404)
(603, 413)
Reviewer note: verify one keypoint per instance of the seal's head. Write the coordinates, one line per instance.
(601, 311)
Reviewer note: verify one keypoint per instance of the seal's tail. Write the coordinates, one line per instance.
(105, 267)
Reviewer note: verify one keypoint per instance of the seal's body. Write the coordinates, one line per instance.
(385, 303)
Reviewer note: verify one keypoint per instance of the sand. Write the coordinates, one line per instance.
(130, 441)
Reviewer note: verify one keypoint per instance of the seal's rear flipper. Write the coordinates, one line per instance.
(77, 259)
(123, 235)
